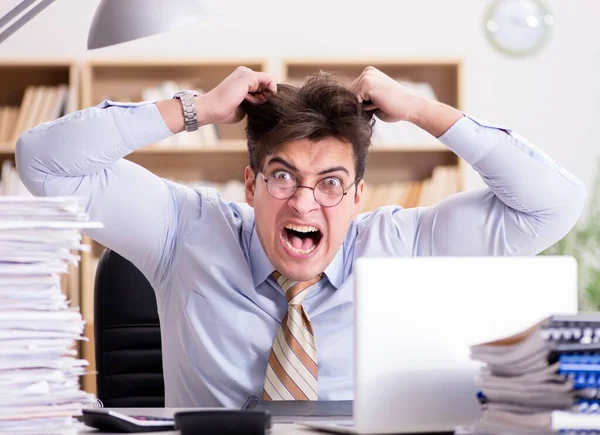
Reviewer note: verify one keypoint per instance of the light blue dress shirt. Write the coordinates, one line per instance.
(219, 309)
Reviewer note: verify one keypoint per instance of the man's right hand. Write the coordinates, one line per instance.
(221, 105)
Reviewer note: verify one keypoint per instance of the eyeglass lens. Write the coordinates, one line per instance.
(327, 192)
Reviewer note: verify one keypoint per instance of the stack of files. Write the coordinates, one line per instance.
(40, 239)
(543, 380)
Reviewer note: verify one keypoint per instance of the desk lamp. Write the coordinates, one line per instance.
(116, 21)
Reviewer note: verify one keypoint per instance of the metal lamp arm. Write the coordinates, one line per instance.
(24, 19)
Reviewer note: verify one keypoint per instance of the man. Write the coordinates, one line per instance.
(256, 298)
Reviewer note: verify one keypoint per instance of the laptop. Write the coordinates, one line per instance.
(415, 319)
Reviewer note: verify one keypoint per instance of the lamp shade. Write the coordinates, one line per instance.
(117, 21)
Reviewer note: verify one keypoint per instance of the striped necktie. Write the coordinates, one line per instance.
(292, 369)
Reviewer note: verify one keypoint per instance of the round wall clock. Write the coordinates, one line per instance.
(518, 27)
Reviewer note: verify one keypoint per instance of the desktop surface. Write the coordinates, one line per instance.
(281, 426)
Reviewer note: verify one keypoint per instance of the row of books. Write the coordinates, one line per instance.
(45, 103)
(444, 182)
(396, 134)
(39, 104)
(543, 380)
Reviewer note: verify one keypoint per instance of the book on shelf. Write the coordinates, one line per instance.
(39, 104)
(10, 182)
(542, 380)
(8, 119)
(418, 193)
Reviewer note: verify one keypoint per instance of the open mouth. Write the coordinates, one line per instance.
(301, 239)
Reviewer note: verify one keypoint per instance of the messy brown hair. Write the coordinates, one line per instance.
(322, 108)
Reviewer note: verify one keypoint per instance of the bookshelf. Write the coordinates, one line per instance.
(221, 160)
(414, 170)
(33, 92)
(39, 91)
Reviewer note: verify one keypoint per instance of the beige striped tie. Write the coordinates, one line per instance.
(292, 369)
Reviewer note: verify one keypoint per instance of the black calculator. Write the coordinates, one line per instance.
(108, 420)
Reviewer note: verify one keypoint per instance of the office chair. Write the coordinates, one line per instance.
(127, 336)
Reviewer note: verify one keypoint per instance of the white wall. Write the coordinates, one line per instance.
(552, 98)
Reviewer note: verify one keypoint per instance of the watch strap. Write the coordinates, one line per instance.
(190, 113)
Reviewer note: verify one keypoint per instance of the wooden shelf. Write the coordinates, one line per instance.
(402, 162)
(443, 75)
(225, 146)
(240, 147)
(127, 81)
(233, 146)
(34, 92)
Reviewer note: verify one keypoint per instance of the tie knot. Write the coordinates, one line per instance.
(295, 291)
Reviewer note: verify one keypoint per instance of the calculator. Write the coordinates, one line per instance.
(110, 421)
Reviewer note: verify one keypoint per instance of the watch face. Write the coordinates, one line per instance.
(518, 26)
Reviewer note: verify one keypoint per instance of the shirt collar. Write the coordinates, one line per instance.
(259, 262)
(335, 270)
(262, 267)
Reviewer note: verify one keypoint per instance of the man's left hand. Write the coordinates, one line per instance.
(391, 101)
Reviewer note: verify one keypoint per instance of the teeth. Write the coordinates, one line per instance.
(302, 228)
(299, 251)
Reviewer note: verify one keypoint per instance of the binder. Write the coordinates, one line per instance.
(545, 379)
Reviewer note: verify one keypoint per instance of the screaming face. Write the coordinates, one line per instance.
(305, 198)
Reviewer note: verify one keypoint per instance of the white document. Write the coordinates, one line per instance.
(39, 366)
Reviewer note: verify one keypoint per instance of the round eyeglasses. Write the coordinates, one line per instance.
(328, 192)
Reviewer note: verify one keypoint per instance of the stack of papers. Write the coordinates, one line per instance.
(542, 380)
(39, 370)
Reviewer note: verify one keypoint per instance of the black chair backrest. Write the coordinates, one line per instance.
(127, 336)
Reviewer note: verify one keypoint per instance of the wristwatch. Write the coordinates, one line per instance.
(189, 108)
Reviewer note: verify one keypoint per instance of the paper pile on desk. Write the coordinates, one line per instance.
(39, 369)
(542, 380)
